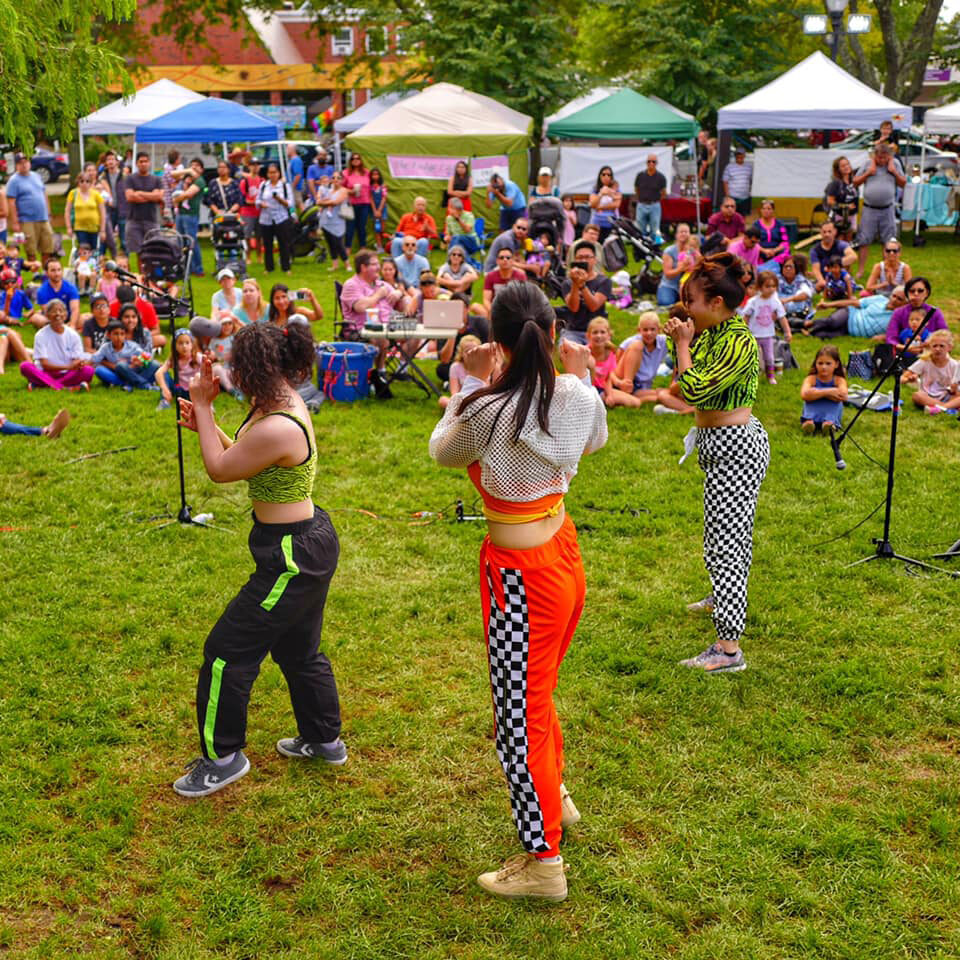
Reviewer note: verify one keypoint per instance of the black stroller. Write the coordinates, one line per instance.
(547, 221)
(305, 240)
(164, 261)
(625, 235)
(226, 233)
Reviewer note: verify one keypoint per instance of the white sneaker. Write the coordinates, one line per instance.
(660, 408)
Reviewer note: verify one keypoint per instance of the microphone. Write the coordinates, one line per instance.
(119, 271)
(835, 444)
(205, 327)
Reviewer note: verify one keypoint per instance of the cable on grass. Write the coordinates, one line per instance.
(93, 456)
(846, 533)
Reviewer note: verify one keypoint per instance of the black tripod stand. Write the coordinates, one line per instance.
(884, 548)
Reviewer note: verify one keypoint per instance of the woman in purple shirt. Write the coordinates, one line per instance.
(918, 290)
(774, 239)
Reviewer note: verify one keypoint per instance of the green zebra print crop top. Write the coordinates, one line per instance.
(276, 484)
(725, 369)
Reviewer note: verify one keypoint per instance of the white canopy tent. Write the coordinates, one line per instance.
(815, 94)
(363, 115)
(123, 116)
(945, 119)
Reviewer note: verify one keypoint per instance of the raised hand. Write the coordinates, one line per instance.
(680, 331)
(479, 360)
(575, 357)
(188, 418)
(204, 387)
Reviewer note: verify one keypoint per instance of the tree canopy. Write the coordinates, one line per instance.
(53, 66)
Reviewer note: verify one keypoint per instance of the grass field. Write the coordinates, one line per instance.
(809, 807)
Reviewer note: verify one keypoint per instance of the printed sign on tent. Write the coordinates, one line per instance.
(483, 168)
(421, 168)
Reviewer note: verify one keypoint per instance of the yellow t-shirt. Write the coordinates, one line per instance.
(86, 210)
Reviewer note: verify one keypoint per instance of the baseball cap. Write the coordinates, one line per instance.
(226, 272)
(739, 151)
(97, 297)
(17, 157)
(426, 277)
(8, 276)
(545, 172)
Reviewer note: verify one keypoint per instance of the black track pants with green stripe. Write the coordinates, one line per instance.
(278, 611)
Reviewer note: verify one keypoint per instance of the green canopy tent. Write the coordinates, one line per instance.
(625, 115)
(417, 142)
(628, 115)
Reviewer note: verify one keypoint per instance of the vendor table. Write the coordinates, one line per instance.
(398, 333)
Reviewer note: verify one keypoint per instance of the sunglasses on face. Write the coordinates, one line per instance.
(892, 250)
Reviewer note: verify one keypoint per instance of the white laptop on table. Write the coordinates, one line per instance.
(443, 314)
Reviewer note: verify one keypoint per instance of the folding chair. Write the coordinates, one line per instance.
(338, 321)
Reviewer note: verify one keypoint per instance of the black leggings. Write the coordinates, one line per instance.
(335, 246)
(833, 326)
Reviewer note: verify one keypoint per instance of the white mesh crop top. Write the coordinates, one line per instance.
(538, 463)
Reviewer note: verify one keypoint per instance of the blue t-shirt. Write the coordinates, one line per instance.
(410, 270)
(315, 171)
(31, 198)
(67, 293)
(19, 303)
(515, 195)
(296, 171)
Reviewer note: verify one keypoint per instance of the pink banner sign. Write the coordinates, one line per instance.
(422, 168)
(483, 168)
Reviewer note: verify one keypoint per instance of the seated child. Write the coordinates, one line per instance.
(458, 373)
(219, 350)
(311, 394)
(188, 366)
(14, 303)
(937, 374)
(51, 431)
(603, 357)
(126, 359)
(108, 283)
(622, 294)
(916, 348)
(839, 284)
(85, 269)
(641, 357)
(823, 392)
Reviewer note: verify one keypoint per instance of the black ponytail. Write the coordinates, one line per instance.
(521, 320)
(266, 358)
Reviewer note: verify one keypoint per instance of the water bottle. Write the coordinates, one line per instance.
(203, 518)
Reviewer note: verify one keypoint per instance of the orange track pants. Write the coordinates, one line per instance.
(532, 601)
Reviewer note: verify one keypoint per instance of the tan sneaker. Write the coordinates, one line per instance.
(57, 425)
(525, 876)
(569, 814)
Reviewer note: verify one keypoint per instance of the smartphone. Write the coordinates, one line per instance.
(301, 295)
(580, 265)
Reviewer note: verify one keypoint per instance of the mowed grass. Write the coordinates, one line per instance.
(809, 807)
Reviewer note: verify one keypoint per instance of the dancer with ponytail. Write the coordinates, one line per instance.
(279, 610)
(521, 440)
(718, 377)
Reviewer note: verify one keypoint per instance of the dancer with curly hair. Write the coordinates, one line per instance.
(279, 610)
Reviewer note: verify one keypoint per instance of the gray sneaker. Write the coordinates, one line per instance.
(702, 606)
(300, 749)
(714, 660)
(204, 777)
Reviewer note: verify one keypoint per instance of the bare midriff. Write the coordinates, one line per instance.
(283, 512)
(722, 418)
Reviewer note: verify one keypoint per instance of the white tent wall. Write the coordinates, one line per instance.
(797, 173)
(579, 165)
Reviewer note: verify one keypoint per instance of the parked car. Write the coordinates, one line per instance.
(911, 145)
(49, 166)
(269, 152)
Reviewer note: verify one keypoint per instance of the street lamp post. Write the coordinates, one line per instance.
(835, 8)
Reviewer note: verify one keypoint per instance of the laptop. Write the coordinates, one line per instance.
(443, 314)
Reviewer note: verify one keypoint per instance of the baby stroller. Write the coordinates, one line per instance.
(306, 231)
(547, 220)
(625, 235)
(231, 249)
(164, 256)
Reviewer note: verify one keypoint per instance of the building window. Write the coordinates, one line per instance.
(349, 101)
(343, 42)
(399, 41)
(375, 40)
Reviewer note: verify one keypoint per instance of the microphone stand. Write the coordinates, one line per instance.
(884, 549)
(185, 514)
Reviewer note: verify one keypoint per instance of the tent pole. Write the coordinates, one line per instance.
(336, 150)
(224, 149)
(82, 154)
(918, 195)
(696, 177)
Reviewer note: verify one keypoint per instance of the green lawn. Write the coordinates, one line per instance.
(809, 807)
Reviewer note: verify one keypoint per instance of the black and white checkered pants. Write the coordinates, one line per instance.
(734, 461)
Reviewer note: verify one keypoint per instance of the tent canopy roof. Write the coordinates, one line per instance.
(815, 93)
(372, 108)
(445, 109)
(210, 119)
(625, 115)
(945, 119)
(148, 103)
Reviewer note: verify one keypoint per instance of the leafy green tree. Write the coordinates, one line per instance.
(53, 65)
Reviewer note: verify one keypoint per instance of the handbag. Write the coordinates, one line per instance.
(346, 210)
(860, 364)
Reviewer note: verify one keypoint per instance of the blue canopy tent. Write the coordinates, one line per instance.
(209, 120)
